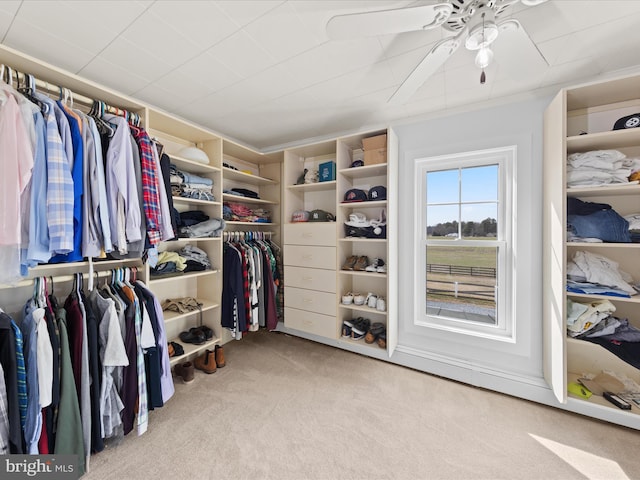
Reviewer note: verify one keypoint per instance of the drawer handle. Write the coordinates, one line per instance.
(307, 300)
(307, 234)
(307, 257)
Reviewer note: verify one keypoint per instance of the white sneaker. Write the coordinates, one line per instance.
(358, 299)
(347, 299)
(372, 299)
(381, 305)
(382, 269)
(373, 267)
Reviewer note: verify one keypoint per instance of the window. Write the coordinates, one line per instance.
(463, 274)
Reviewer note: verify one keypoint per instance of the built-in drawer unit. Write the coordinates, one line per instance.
(314, 323)
(310, 256)
(313, 233)
(310, 300)
(310, 278)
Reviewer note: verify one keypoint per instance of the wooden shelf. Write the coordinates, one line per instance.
(604, 140)
(171, 316)
(603, 245)
(191, 166)
(356, 273)
(42, 270)
(363, 308)
(192, 239)
(227, 197)
(366, 240)
(376, 203)
(252, 224)
(238, 176)
(154, 280)
(361, 343)
(191, 349)
(193, 201)
(365, 171)
(613, 190)
(313, 187)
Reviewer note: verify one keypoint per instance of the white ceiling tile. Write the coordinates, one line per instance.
(544, 21)
(204, 23)
(131, 57)
(10, 7)
(468, 78)
(271, 83)
(241, 54)
(581, 14)
(46, 46)
(106, 73)
(183, 87)
(281, 33)
(160, 97)
(402, 43)
(246, 11)
(575, 71)
(5, 21)
(208, 70)
(158, 37)
(433, 87)
(333, 59)
(76, 21)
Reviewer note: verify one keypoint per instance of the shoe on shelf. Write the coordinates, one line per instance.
(371, 300)
(374, 265)
(208, 332)
(382, 269)
(206, 362)
(350, 262)
(382, 339)
(220, 361)
(347, 327)
(175, 349)
(186, 371)
(361, 263)
(194, 336)
(381, 305)
(347, 298)
(360, 328)
(374, 332)
(358, 299)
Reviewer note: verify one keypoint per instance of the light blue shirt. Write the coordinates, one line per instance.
(38, 247)
(103, 209)
(33, 421)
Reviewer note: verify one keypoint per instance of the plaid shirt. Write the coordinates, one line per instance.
(150, 196)
(59, 186)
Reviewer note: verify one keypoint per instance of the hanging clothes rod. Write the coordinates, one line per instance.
(20, 80)
(65, 278)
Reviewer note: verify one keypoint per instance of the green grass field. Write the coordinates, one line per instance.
(463, 256)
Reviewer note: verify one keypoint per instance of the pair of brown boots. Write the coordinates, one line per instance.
(211, 360)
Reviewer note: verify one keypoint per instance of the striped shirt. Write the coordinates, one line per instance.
(4, 415)
(150, 196)
(22, 375)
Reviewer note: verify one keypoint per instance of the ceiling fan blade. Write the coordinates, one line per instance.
(516, 53)
(427, 67)
(532, 3)
(388, 21)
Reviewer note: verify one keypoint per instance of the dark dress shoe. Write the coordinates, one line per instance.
(194, 336)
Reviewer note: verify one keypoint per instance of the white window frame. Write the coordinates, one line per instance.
(505, 158)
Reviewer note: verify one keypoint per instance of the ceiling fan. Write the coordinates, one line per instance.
(473, 23)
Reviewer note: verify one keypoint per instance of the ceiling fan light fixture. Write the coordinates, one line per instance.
(484, 57)
(483, 30)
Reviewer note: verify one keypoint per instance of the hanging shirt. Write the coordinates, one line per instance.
(33, 421)
(59, 196)
(17, 162)
(78, 188)
(38, 245)
(91, 228)
(44, 358)
(97, 177)
(165, 212)
(121, 185)
(8, 359)
(4, 415)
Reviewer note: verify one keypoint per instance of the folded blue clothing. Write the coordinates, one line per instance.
(606, 225)
(595, 289)
(192, 178)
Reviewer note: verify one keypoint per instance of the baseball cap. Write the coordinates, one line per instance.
(300, 216)
(355, 195)
(357, 163)
(378, 192)
(321, 216)
(630, 121)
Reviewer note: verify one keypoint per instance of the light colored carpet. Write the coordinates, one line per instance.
(287, 408)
